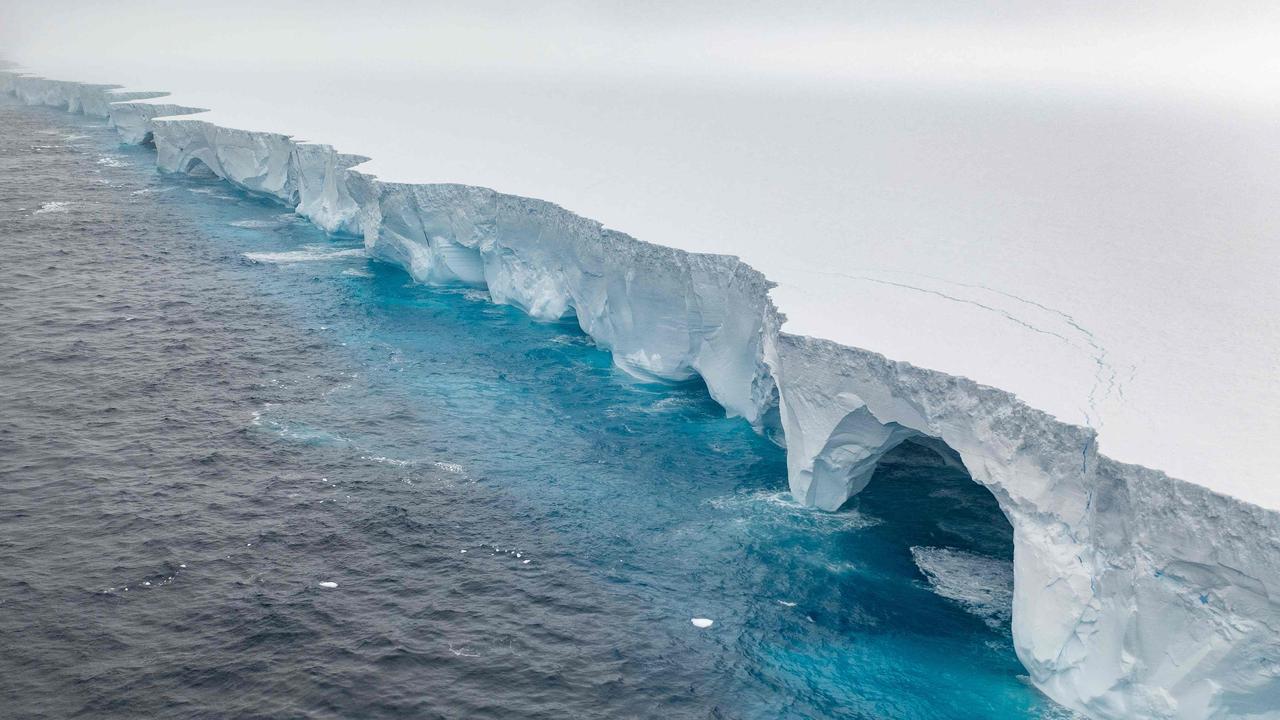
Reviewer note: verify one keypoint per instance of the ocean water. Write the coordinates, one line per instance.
(246, 472)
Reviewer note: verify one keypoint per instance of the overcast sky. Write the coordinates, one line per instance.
(1218, 51)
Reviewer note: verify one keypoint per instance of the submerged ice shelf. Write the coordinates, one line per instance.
(1136, 595)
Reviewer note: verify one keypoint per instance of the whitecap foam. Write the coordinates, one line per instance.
(981, 584)
(778, 507)
(52, 207)
(670, 403)
(381, 459)
(297, 432)
(255, 224)
(462, 651)
(110, 161)
(571, 340)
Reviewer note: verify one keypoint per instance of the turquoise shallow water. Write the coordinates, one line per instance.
(208, 408)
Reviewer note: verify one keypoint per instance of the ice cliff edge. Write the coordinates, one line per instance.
(1136, 595)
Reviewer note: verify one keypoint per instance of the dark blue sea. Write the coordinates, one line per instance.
(247, 473)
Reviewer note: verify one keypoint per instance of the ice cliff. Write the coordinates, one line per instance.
(1136, 595)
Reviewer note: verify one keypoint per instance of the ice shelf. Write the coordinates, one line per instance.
(1136, 595)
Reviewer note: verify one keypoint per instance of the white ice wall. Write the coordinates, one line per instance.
(1136, 595)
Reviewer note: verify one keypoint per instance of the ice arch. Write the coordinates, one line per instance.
(1129, 599)
(198, 168)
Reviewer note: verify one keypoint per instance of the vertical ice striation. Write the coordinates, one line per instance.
(1136, 595)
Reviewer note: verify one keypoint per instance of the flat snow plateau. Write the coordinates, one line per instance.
(1110, 260)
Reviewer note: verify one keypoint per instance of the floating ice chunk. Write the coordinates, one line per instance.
(524, 562)
(981, 585)
(702, 622)
(786, 603)
(327, 584)
(311, 253)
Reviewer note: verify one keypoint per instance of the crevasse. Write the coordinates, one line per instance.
(1136, 595)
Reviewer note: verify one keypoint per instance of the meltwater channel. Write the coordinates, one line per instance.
(208, 408)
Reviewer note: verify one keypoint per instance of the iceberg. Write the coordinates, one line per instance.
(1135, 594)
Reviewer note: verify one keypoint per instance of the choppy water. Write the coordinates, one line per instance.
(207, 409)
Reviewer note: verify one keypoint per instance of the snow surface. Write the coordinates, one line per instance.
(1109, 261)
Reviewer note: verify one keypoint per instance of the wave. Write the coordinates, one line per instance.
(52, 207)
(780, 508)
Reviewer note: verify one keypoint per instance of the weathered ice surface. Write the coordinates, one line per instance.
(1136, 595)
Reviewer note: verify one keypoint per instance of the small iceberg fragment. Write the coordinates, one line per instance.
(785, 603)
(702, 622)
(327, 584)
(310, 253)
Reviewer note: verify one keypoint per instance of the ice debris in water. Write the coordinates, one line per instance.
(328, 584)
(310, 253)
(702, 622)
(786, 603)
(981, 585)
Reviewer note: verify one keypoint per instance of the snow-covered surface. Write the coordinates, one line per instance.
(1106, 257)
(1108, 260)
